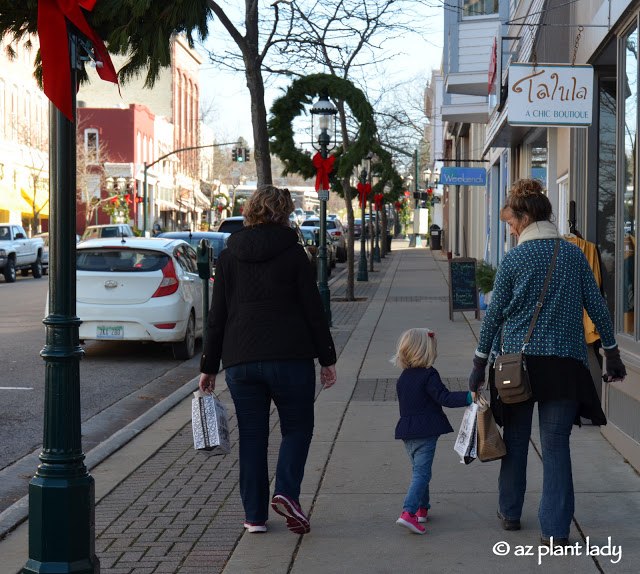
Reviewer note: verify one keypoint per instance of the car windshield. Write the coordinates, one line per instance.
(308, 233)
(311, 223)
(127, 260)
(231, 225)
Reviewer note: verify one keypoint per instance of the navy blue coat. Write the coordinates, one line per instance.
(422, 394)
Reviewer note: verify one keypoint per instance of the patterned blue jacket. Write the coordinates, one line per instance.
(559, 329)
(421, 393)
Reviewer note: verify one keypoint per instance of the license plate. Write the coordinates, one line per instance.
(110, 332)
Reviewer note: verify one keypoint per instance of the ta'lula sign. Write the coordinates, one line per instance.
(550, 95)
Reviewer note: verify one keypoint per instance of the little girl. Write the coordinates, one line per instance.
(421, 395)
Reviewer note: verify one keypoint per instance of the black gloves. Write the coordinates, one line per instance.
(615, 367)
(476, 378)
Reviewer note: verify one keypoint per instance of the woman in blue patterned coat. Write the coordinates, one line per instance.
(556, 356)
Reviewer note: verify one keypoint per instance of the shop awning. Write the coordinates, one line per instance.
(41, 201)
(10, 201)
(166, 205)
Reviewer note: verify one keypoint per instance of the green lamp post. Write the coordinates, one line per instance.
(323, 111)
(62, 492)
(362, 268)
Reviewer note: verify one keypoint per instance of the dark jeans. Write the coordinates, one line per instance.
(557, 502)
(291, 385)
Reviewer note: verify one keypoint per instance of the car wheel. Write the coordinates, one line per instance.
(36, 269)
(186, 348)
(10, 271)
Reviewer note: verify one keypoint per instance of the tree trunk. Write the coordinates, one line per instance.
(384, 248)
(350, 293)
(261, 155)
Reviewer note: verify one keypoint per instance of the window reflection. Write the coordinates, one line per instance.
(605, 222)
(629, 195)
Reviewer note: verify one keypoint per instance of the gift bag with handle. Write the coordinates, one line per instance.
(465, 444)
(210, 424)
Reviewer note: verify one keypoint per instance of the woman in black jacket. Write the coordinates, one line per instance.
(267, 325)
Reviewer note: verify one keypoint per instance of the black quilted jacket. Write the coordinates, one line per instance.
(266, 304)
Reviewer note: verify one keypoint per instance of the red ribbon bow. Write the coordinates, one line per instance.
(364, 189)
(324, 167)
(54, 47)
(378, 200)
(398, 205)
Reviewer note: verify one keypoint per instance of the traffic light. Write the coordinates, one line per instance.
(240, 153)
(247, 154)
(234, 154)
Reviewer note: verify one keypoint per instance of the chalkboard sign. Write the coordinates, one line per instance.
(463, 292)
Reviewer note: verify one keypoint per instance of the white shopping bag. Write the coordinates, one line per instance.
(210, 424)
(466, 442)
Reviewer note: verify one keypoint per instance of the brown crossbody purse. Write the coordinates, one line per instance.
(511, 375)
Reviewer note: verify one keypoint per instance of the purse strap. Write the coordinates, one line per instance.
(539, 303)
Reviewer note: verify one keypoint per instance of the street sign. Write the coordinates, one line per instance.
(323, 194)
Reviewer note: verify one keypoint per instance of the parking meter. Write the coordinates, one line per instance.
(205, 267)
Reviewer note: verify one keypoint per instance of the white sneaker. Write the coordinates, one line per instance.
(255, 528)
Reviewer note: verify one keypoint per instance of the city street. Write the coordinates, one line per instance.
(119, 381)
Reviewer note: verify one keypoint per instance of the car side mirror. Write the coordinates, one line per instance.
(309, 241)
(20, 236)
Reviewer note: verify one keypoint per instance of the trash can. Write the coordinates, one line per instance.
(436, 237)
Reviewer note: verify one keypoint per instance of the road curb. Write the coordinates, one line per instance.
(18, 512)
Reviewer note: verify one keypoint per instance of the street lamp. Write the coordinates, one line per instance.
(323, 111)
(362, 270)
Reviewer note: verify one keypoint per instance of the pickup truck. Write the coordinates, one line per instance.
(17, 251)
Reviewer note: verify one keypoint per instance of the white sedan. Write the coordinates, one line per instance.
(139, 289)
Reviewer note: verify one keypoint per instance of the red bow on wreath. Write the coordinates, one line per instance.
(364, 189)
(324, 167)
(54, 47)
(378, 201)
(398, 205)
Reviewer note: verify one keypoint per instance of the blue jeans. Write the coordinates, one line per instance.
(421, 452)
(291, 385)
(557, 502)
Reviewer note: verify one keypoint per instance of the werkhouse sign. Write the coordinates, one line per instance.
(550, 95)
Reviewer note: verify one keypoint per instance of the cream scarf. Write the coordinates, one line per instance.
(538, 230)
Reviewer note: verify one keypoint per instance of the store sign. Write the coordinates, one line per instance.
(550, 95)
(463, 176)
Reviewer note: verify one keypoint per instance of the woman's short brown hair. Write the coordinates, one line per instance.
(268, 204)
(527, 199)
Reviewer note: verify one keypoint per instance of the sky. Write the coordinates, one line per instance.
(230, 114)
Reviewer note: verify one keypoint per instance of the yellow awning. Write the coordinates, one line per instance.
(41, 202)
(11, 201)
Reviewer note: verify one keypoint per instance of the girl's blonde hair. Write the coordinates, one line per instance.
(268, 204)
(416, 348)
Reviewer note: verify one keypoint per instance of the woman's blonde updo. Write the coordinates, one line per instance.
(527, 201)
(268, 204)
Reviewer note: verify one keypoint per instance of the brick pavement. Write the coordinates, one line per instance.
(180, 511)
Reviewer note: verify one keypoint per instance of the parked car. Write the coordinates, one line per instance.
(312, 239)
(17, 251)
(140, 289)
(309, 213)
(216, 240)
(299, 214)
(231, 224)
(109, 230)
(337, 232)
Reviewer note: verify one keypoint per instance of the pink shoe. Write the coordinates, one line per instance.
(297, 522)
(255, 528)
(410, 522)
(422, 515)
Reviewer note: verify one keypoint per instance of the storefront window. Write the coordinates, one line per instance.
(606, 220)
(630, 91)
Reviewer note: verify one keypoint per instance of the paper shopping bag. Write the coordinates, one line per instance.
(210, 424)
(465, 444)
(489, 442)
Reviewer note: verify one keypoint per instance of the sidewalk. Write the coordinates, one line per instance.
(164, 508)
